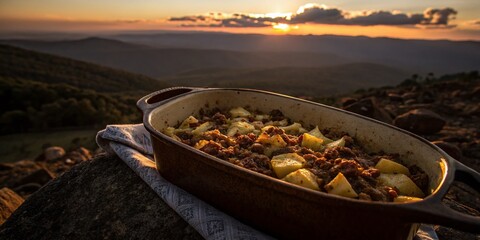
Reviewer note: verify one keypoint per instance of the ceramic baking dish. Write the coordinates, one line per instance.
(288, 211)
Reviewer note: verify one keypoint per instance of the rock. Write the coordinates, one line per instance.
(6, 166)
(347, 101)
(76, 156)
(450, 149)
(409, 95)
(368, 107)
(420, 121)
(85, 152)
(40, 176)
(395, 97)
(475, 92)
(53, 153)
(16, 171)
(471, 110)
(410, 101)
(9, 202)
(69, 161)
(97, 199)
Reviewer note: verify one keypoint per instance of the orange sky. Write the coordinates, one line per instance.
(118, 15)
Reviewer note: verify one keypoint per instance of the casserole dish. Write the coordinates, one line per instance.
(289, 211)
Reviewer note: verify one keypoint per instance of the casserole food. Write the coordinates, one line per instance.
(288, 211)
(272, 144)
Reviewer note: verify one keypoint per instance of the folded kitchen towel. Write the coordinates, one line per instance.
(131, 143)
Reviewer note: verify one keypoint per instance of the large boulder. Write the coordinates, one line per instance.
(420, 121)
(98, 199)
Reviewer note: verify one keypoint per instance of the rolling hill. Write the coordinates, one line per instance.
(160, 62)
(299, 81)
(20, 63)
(41, 91)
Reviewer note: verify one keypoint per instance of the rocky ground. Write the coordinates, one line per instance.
(444, 111)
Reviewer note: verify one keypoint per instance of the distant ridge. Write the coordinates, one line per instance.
(166, 54)
(413, 55)
(19, 63)
(160, 62)
(300, 81)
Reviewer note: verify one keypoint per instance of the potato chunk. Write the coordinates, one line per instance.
(200, 144)
(202, 128)
(389, 166)
(272, 143)
(239, 112)
(402, 182)
(186, 123)
(275, 140)
(340, 186)
(406, 199)
(240, 127)
(316, 132)
(294, 128)
(304, 178)
(284, 164)
(339, 143)
(312, 142)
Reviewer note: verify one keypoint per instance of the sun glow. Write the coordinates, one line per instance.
(282, 27)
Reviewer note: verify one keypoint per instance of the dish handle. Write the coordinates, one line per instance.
(157, 98)
(434, 211)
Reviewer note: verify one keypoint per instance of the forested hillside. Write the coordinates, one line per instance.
(40, 91)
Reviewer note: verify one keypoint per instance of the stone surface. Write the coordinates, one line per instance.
(9, 202)
(420, 121)
(98, 199)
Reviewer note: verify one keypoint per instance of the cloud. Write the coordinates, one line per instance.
(438, 16)
(314, 13)
(317, 14)
(189, 18)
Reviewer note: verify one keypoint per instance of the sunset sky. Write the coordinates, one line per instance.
(427, 19)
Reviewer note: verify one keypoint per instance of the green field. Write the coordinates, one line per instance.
(16, 147)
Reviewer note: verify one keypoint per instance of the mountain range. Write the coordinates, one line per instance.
(414, 56)
(291, 64)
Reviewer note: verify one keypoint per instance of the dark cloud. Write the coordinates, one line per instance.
(312, 13)
(438, 16)
(223, 20)
(318, 14)
(384, 18)
(188, 18)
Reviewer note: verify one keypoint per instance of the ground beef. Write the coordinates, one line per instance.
(276, 115)
(257, 148)
(245, 141)
(219, 118)
(349, 168)
(212, 148)
(258, 163)
(289, 139)
(419, 177)
(289, 149)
